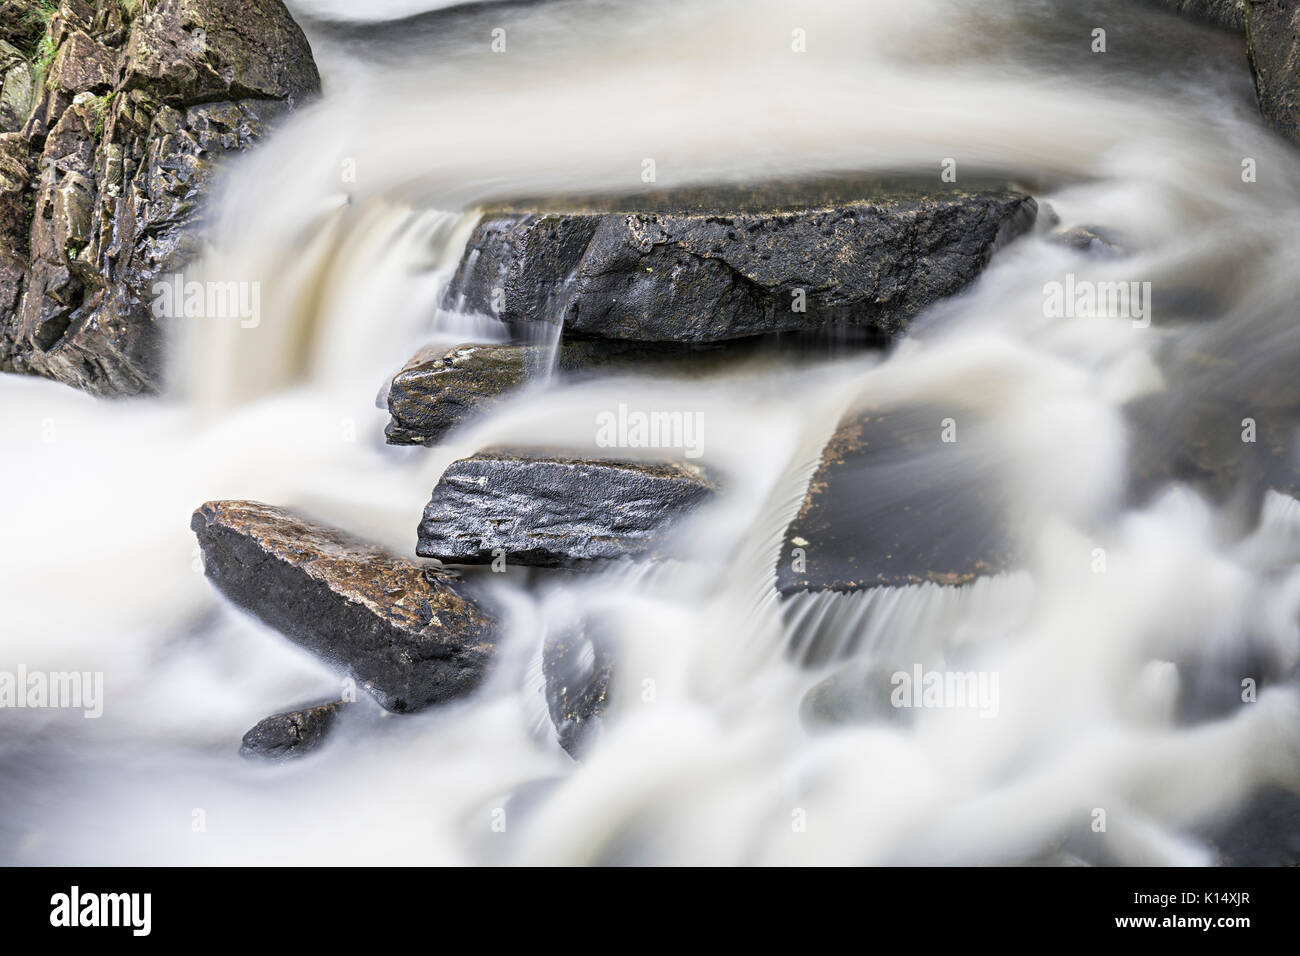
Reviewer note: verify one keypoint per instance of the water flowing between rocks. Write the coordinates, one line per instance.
(1139, 602)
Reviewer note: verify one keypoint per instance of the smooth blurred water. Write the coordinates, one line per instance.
(351, 219)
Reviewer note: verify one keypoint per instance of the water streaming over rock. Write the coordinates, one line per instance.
(351, 220)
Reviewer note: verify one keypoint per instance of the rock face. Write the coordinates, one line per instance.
(408, 634)
(291, 734)
(132, 117)
(889, 506)
(1273, 44)
(725, 272)
(553, 511)
(17, 85)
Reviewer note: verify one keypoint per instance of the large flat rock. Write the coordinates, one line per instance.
(410, 636)
(554, 511)
(892, 505)
(726, 264)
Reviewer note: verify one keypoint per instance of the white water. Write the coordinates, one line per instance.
(100, 572)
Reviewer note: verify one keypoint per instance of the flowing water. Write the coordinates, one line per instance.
(351, 219)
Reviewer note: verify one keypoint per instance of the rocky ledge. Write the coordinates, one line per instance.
(724, 264)
(411, 635)
(921, 522)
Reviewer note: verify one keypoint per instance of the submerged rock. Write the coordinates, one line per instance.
(1273, 45)
(555, 511)
(1225, 447)
(290, 734)
(132, 118)
(892, 504)
(578, 673)
(407, 633)
(1089, 239)
(857, 693)
(1265, 832)
(729, 265)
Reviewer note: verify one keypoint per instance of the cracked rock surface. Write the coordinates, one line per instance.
(130, 121)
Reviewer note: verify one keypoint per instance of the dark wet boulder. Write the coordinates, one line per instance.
(133, 118)
(893, 503)
(556, 511)
(1273, 45)
(441, 389)
(290, 734)
(732, 265)
(410, 635)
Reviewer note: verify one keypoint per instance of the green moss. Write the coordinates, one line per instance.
(42, 59)
(100, 105)
(38, 18)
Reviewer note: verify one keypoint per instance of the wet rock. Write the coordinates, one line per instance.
(1273, 45)
(892, 504)
(409, 634)
(1224, 447)
(128, 128)
(1090, 239)
(578, 672)
(556, 511)
(735, 266)
(291, 734)
(440, 389)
